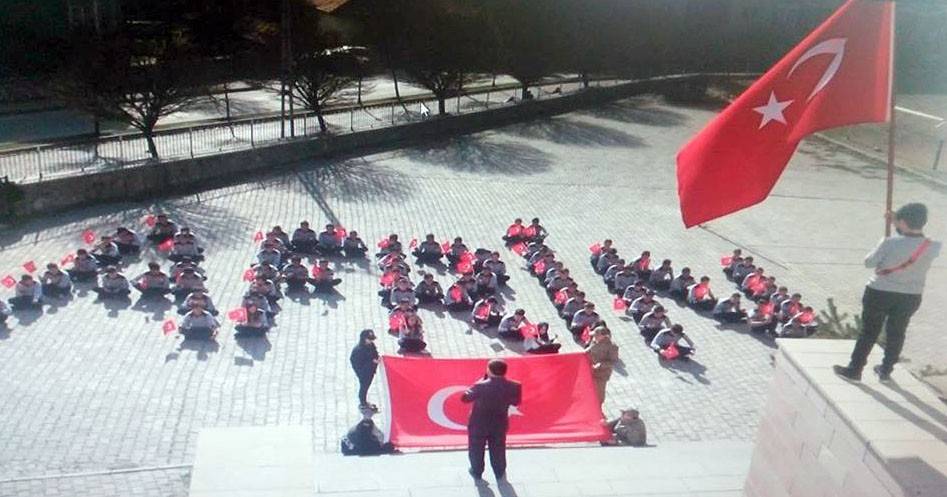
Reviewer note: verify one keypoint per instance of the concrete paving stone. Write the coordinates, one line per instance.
(91, 385)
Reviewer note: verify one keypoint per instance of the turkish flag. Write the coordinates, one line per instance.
(29, 266)
(8, 281)
(838, 75)
(168, 327)
(238, 315)
(559, 401)
(249, 275)
(258, 236)
(595, 248)
(519, 248)
(167, 245)
(149, 220)
(414, 243)
(67, 259)
(464, 267)
(88, 236)
(340, 232)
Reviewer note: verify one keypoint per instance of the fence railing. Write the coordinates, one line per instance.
(44, 162)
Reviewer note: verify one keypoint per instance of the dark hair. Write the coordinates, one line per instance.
(520, 312)
(913, 214)
(497, 367)
(677, 328)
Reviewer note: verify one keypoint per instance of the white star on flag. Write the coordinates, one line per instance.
(773, 110)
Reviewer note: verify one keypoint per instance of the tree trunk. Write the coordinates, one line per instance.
(323, 127)
(150, 138)
(525, 89)
(359, 90)
(585, 80)
(441, 107)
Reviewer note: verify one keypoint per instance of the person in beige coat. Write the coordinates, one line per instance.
(603, 354)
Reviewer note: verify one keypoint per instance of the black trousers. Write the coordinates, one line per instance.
(364, 381)
(893, 311)
(476, 443)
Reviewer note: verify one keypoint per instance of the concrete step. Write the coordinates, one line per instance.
(704, 469)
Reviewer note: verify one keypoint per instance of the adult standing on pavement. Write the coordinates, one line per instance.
(603, 354)
(894, 291)
(364, 361)
(492, 397)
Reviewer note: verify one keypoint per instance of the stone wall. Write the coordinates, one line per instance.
(141, 182)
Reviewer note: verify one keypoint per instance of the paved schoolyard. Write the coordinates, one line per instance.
(90, 389)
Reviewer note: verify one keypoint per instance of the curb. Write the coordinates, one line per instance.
(882, 161)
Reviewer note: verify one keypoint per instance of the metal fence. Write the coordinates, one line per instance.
(45, 162)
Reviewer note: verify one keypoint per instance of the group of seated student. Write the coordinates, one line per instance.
(519, 233)
(777, 312)
(535, 337)
(333, 240)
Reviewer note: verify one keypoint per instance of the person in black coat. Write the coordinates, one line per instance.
(364, 361)
(492, 397)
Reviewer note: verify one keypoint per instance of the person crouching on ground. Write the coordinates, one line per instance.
(730, 310)
(330, 241)
(653, 322)
(56, 283)
(153, 282)
(539, 341)
(257, 324)
(84, 267)
(428, 251)
(486, 313)
(28, 295)
(113, 284)
(323, 278)
(428, 290)
(353, 246)
(199, 325)
(700, 297)
(627, 429)
(411, 335)
(510, 326)
(667, 343)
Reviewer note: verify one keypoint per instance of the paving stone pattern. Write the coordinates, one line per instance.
(92, 388)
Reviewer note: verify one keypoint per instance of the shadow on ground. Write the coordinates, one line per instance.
(567, 131)
(476, 154)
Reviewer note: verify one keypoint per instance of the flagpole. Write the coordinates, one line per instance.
(892, 128)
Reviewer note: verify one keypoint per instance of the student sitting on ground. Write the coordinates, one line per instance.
(185, 246)
(257, 299)
(762, 289)
(330, 241)
(295, 274)
(153, 282)
(651, 323)
(106, 252)
(54, 282)
(270, 255)
(267, 271)
(27, 295)
(5, 312)
(606, 246)
(457, 298)
(608, 259)
(257, 324)
(187, 282)
(353, 246)
(533, 248)
(642, 266)
(551, 271)
(634, 292)
(428, 291)
(112, 284)
(612, 272)
(510, 326)
(731, 262)
(267, 288)
(398, 315)
(402, 292)
(304, 239)
(672, 336)
(283, 237)
(790, 308)
(411, 335)
(84, 267)
(514, 233)
(198, 298)
(387, 245)
(800, 325)
(623, 279)
(394, 259)
(535, 231)
(700, 297)
(486, 283)
(199, 325)
(562, 296)
(497, 267)
(456, 251)
(324, 280)
(642, 305)
(742, 269)
(777, 299)
(763, 318)
(537, 341)
(662, 277)
(162, 231)
(481, 255)
(679, 285)
(389, 279)
(541, 266)
(558, 282)
(486, 313)
(585, 318)
(127, 241)
(572, 306)
(628, 429)
(177, 269)
(429, 251)
(729, 311)
(752, 280)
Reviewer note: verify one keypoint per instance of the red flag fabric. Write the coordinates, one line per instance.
(840, 74)
(396, 321)
(670, 353)
(29, 266)
(519, 248)
(768, 308)
(316, 271)
(149, 220)
(168, 326)
(539, 267)
(586, 335)
(383, 243)
(8, 281)
(483, 312)
(595, 248)
(445, 246)
(464, 267)
(238, 315)
(529, 330)
(88, 236)
(258, 236)
(618, 303)
(455, 293)
(249, 275)
(166, 246)
(725, 261)
(559, 401)
(561, 297)
(414, 243)
(67, 259)
(340, 232)
(514, 230)
(388, 279)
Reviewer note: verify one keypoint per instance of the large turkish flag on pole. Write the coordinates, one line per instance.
(838, 75)
(559, 401)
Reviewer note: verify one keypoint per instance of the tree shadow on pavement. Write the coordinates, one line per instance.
(255, 347)
(566, 131)
(353, 179)
(634, 111)
(475, 154)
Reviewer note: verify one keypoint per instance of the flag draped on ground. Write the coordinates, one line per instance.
(840, 74)
(559, 400)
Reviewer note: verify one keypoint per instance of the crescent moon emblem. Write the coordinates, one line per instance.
(836, 47)
(435, 408)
